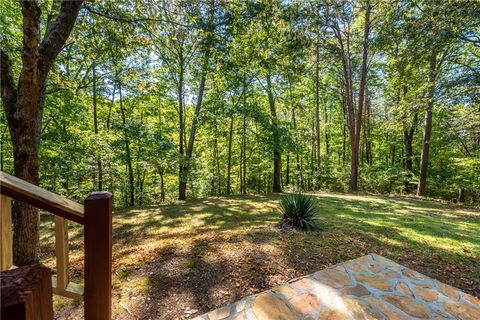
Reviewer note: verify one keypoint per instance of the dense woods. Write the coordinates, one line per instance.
(163, 100)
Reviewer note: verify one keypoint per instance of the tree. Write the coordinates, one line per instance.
(23, 105)
(342, 32)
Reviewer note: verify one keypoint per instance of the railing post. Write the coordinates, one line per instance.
(6, 235)
(61, 252)
(98, 256)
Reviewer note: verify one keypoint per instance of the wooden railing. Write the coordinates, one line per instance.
(96, 217)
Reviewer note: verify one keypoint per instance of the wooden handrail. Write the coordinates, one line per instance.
(19, 189)
(95, 215)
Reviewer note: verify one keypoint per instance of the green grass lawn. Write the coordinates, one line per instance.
(179, 260)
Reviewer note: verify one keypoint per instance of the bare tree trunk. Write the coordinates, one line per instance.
(216, 159)
(317, 108)
(344, 138)
(354, 117)
(240, 165)
(95, 127)
(185, 163)
(244, 148)
(141, 183)
(368, 106)
(408, 135)
(131, 180)
(287, 171)
(182, 179)
(422, 183)
(229, 164)
(23, 105)
(184, 166)
(394, 151)
(277, 160)
(461, 195)
(162, 186)
(327, 132)
(2, 139)
(353, 184)
(297, 154)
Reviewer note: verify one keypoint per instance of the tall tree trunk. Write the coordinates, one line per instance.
(368, 107)
(131, 180)
(297, 154)
(95, 127)
(216, 159)
(182, 179)
(408, 135)
(287, 171)
(240, 165)
(277, 160)
(366, 143)
(422, 183)
(184, 167)
(185, 163)
(23, 105)
(229, 164)
(327, 132)
(317, 109)
(244, 148)
(2, 139)
(408, 142)
(394, 151)
(353, 183)
(161, 173)
(141, 183)
(344, 135)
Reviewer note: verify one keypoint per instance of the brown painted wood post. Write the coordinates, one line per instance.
(98, 256)
(26, 293)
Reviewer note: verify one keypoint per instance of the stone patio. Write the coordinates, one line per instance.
(370, 287)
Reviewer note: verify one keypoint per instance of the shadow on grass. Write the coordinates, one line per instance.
(188, 258)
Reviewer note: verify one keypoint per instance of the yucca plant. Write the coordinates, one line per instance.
(299, 211)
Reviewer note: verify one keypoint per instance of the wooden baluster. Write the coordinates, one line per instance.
(98, 256)
(61, 251)
(6, 236)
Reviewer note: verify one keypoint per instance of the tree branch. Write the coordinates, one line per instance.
(31, 26)
(9, 91)
(131, 19)
(57, 34)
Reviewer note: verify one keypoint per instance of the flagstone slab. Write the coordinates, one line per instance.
(369, 287)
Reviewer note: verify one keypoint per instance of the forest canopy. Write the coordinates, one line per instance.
(162, 100)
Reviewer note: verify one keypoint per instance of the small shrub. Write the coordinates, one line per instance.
(299, 211)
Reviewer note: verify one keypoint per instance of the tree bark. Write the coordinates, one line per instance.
(23, 104)
(182, 179)
(184, 164)
(95, 127)
(162, 187)
(353, 183)
(244, 148)
(461, 195)
(229, 165)
(131, 180)
(297, 154)
(277, 160)
(408, 134)
(327, 132)
(317, 108)
(422, 183)
(354, 117)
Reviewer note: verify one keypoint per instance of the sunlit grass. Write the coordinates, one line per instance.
(413, 232)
